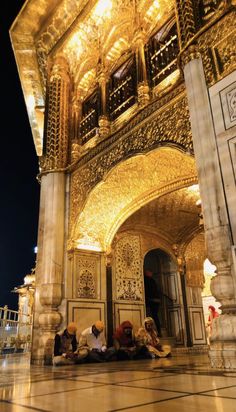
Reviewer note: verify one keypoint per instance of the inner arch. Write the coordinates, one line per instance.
(127, 187)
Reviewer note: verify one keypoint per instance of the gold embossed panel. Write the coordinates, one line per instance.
(127, 268)
(127, 187)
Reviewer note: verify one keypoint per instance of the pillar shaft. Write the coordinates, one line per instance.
(49, 269)
(217, 233)
(142, 77)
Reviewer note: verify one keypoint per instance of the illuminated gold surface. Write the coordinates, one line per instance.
(84, 32)
(173, 216)
(195, 255)
(129, 186)
(155, 125)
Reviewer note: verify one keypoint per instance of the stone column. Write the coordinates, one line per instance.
(217, 233)
(109, 299)
(142, 78)
(75, 120)
(103, 121)
(49, 267)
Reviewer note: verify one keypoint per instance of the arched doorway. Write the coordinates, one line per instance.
(161, 289)
(140, 206)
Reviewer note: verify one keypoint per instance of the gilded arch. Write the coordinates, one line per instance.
(127, 187)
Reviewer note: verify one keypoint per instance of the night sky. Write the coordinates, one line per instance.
(19, 167)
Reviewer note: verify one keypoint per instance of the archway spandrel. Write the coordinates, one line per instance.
(126, 188)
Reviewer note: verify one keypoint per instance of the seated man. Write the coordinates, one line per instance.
(147, 336)
(125, 345)
(65, 347)
(94, 341)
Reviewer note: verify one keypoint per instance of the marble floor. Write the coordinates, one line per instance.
(180, 383)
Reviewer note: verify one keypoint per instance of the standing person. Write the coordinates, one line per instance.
(93, 339)
(212, 315)
(147, 336)
(65, 347)
(152, 298)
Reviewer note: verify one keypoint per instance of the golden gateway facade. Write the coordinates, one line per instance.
(131, 105)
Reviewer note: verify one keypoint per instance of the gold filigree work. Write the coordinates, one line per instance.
(127, 268)
(170, 125)
(217, 47)
(57, 127)
(131, 185)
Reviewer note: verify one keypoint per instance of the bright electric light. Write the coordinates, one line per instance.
(209, 269)
(103, 9)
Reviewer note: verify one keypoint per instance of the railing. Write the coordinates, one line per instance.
(15, 331)
(162, 58)
(90, 115)
(122, 89)
(161, 53)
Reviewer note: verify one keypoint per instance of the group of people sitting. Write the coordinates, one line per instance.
(92, 345)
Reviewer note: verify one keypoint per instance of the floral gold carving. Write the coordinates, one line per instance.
(86, 285)
(128, 273)
(217, 47)
(57, 126)
(168, 125)
(194, 257)
(186, 20)
(128, 187)
(85, 269)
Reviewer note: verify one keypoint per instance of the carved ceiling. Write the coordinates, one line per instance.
(85, 32)
(131, 185)
(173, 216)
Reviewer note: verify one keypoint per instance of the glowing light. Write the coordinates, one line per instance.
(209, 269)
(154, 9)
(194, 188)
(84, 246)
(118, 47)
(31, 103)
(102, 10)
(87, 79)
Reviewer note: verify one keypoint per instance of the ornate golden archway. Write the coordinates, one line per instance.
(126, 188)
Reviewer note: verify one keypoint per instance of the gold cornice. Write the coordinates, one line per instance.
(167, 127)
(190, 50)
(141, 118)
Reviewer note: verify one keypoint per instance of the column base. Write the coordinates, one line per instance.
(223, 355)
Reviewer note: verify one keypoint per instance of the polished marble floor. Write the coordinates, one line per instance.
(182, 383)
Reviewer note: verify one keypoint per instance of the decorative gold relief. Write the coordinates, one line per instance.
(85, 276)
(191, 53)
(57, 126)
(186, 20)
(217, 47)
(224, 54)
(86, 285)
(126, 188)
(127, 267)
(195, 255)
(169, 124)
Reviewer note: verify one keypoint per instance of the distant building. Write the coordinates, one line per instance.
(132, 106)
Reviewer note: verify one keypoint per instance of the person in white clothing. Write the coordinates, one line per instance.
(94, 340)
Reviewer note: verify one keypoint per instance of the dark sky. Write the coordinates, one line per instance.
(19, 167)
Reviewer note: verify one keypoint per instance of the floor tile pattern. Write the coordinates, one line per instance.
(182, 383)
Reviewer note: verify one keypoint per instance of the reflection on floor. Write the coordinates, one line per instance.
(181, 383)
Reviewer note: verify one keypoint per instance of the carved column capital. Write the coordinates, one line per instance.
(190, 53)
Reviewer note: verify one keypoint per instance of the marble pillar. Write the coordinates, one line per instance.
(216, 222)
(49, 268)
(49, 282)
